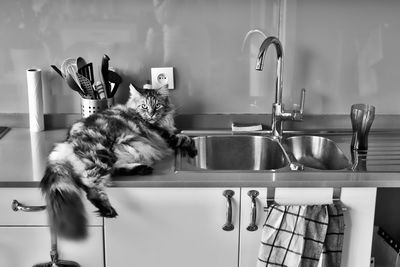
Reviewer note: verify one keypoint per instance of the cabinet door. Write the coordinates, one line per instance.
(250, 240)
(26, 246)
(25, 238)
(359, 218)
(177, 227)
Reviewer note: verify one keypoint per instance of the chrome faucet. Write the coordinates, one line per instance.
(278, 113)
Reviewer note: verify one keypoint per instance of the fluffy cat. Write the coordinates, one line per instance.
(125, 139)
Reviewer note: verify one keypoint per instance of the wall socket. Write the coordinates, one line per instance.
(162, 76)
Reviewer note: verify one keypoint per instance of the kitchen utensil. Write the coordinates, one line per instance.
(86, 86)
(362, 116)
(87, 71)
(67, 62)
(114, 77)
(57, 70)
(80, 62)
(99, 89)
(73, 85)
(104, 73)
(102, 84)
(69, 68)
(73, 72)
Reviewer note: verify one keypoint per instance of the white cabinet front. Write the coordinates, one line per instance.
(27, 246)
(172, 227)
(25, 237)
(359, 218)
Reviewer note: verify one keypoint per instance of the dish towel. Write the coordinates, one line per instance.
(333, 245)
(315, 235)
(282, 236)
(295, 236)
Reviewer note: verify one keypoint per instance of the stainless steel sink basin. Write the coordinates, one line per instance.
(316, 152)
(240, 152)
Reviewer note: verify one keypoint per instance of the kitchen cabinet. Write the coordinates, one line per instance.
(175, 227)
(183, 226)
(359, 219)
(172, 227)
(25, 237)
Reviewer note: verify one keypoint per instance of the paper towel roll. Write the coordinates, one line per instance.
(35, 99)
(38, 154)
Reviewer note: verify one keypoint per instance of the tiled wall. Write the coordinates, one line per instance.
(341, 51)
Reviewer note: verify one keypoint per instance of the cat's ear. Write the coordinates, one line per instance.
(163, 90)
(134, 93)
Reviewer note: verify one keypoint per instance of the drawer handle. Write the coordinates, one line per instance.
(228, 226)
(16, 206)
(253, 194)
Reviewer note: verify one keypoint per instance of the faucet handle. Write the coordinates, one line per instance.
(297, 114)
(302, 100)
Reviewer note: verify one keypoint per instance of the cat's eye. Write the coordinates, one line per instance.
(144, 106)
(158, 106)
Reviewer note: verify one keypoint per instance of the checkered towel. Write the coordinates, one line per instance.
(295, 236)
(332, 254)
(282, 236)
(315, 234)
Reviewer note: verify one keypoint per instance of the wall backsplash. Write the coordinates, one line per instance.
(341, 51)
(344, 52)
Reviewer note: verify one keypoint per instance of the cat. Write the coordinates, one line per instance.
(124, 139)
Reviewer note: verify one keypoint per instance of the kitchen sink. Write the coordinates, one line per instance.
(238, 152)
(316, 152)
(263, 153)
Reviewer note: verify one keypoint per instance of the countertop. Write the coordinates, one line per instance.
(23, 158)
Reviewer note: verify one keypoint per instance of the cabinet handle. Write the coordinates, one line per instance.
(253, 194)
(16, 206)
(228, 226)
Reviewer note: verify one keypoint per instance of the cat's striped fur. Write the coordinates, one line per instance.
(123, 139)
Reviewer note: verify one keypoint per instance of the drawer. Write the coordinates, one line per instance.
(32, 197)
(26, 246)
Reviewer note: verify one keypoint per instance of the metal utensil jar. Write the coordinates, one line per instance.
(91, 106)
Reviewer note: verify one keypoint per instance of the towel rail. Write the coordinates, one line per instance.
(336, 197)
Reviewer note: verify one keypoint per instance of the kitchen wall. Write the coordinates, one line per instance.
(201, 39)
(341, 51)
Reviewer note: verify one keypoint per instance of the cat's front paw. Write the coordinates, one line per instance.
(186, 145)
(107, 212)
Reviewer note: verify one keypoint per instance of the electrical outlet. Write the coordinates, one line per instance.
(162, 76)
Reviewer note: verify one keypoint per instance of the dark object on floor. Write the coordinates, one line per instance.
(3, 131)
(55, 262)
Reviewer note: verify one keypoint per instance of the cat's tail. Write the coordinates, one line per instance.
(62, 192)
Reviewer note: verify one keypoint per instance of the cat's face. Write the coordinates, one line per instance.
(151, 105)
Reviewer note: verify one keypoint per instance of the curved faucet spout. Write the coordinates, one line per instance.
(278, 113)
(263, 48)
(279, 68)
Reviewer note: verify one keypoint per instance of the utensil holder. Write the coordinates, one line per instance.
(92, 106)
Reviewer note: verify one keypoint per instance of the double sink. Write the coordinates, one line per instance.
(264, 153)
